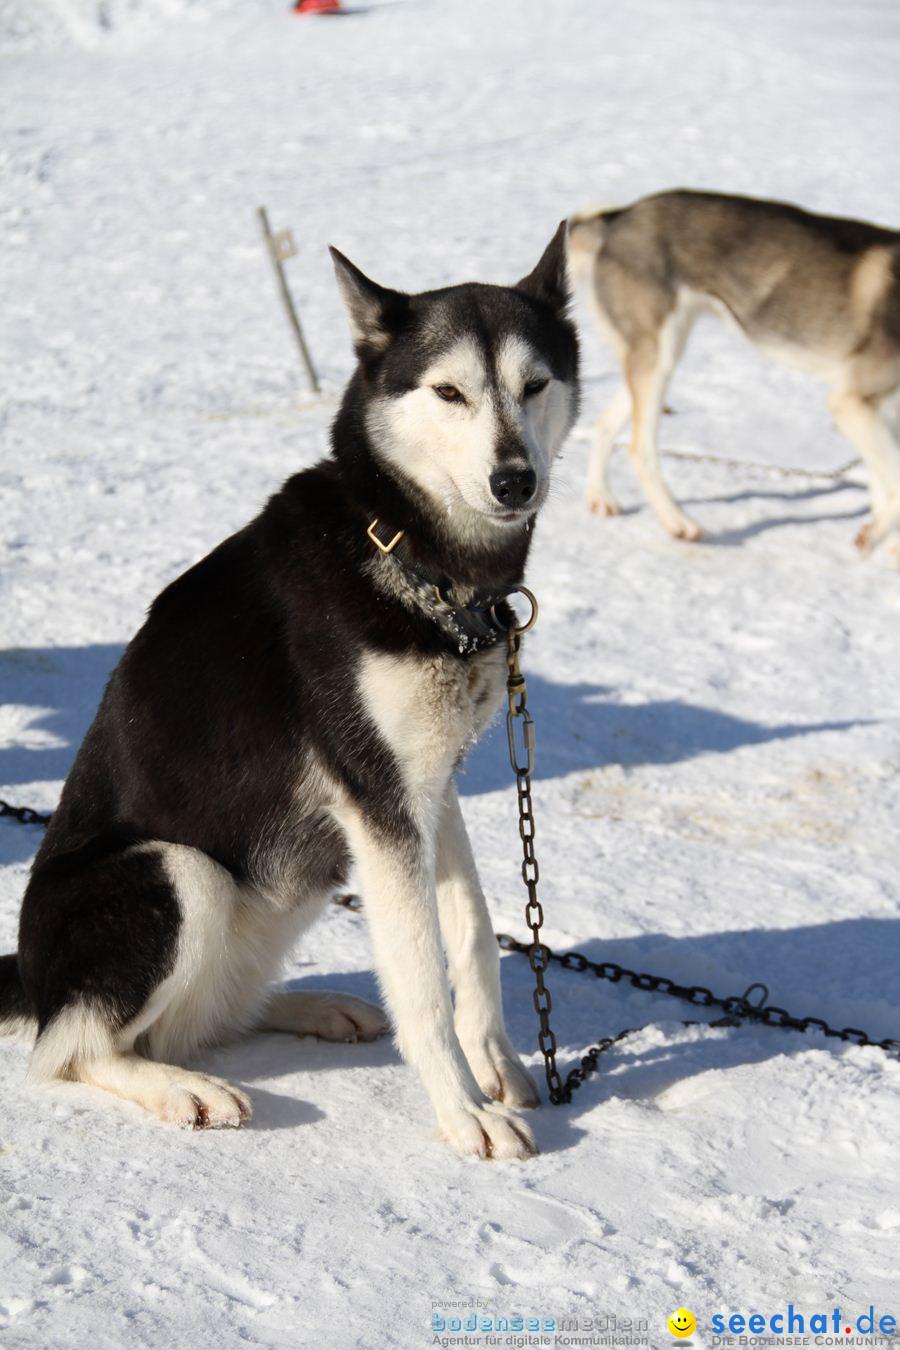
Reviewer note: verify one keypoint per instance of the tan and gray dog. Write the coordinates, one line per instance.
(816, 292)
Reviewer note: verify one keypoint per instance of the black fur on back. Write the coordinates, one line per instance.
(14, 1003)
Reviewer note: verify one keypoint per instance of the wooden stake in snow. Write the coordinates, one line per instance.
(281, 246)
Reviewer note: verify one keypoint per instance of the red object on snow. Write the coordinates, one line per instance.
(317, 6)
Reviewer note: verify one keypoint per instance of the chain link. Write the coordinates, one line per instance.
(25, 815)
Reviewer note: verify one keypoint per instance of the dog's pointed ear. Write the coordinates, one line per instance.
(373, 310)
(549, 281)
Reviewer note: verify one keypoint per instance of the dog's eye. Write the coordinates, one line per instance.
(534, 387)
(449, 393)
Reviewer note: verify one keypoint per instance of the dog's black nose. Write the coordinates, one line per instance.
(513, 487)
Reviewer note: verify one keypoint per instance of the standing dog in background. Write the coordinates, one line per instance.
(817, 292)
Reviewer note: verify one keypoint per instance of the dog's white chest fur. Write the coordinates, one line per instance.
(429, 710)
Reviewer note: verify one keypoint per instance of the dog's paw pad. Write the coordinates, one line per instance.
(603, 506)
(517, 1087)
(332, 1017)
(366, 1020)
(489, 1131)
(201, 1103)
(687, 530)
(501, 1075)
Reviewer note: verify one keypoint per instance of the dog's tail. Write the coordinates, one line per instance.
(16, 1013)
(586, 229)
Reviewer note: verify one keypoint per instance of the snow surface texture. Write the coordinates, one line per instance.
(719, 743)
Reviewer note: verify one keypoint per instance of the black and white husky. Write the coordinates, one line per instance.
(296, 703)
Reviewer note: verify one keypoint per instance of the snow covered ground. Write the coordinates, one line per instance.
(719, 736)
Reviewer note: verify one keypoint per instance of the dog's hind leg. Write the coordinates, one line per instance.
(318, 1012)
(180, 1096)
(598, 493)
(474, 966)
(648, 369)
(861, 421)
(101, 942)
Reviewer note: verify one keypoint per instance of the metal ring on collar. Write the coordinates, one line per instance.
(532, 618)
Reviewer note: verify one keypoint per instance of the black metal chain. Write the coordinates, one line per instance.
(538, 953)
(737, 1008)
(25, 815)
(751, 1006)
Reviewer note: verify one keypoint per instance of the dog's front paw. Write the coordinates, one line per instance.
(883, 524)
(500, 1073)
(602, 504)
(682, 527)
(196, 1101)
(865, 540)
(488, 1131)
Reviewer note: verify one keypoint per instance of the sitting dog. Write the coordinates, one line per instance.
(298, 702)
(817, 292)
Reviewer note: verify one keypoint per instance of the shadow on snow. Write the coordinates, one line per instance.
(581, 727)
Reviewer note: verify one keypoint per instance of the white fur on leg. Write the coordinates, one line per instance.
(77, 1034)
(598, 494)
(192, 1100)
(231, 945)
(18, 1028)
(648, 372)
(474, 966)
(426, 710)
(79, 1045)
(332, 1017)
(398, 889)
(863, 424)
(231, 942)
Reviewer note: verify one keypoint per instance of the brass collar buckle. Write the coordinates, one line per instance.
(384, 548)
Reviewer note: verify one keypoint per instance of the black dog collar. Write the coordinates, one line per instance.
(472, 627)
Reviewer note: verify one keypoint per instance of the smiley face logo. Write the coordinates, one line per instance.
(682, 1323)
